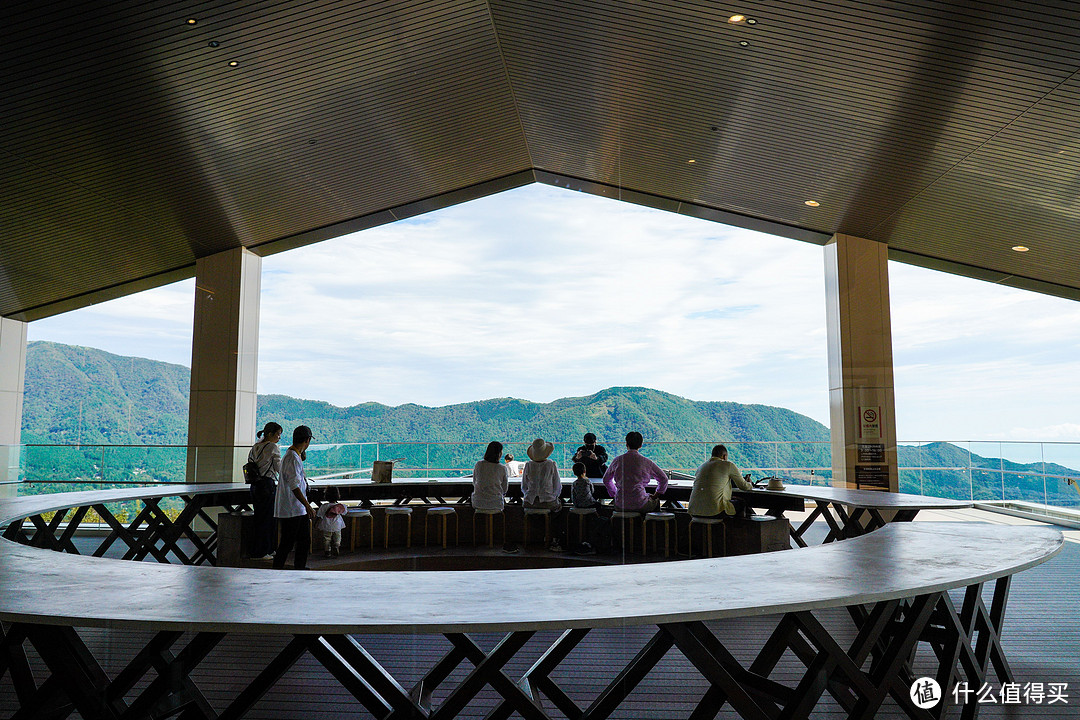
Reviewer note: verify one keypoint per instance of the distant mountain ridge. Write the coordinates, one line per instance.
(78, 394)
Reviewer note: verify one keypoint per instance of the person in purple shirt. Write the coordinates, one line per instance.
(629, 474)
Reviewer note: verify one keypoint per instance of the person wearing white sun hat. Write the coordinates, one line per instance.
(541, 485)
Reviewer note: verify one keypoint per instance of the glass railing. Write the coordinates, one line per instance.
(970, 470)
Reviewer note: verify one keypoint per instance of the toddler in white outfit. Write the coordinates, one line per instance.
(330, 522)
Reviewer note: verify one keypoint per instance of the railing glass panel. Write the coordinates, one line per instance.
(976, 470)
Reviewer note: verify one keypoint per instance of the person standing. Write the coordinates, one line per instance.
(711, 495)
(267, 458)
(592, 456)
(629, 474)
(291, 505)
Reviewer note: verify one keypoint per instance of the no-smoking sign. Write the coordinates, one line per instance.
(870, 423)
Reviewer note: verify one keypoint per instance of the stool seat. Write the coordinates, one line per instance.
(581, 513)
(662, 518)
(630, 515)
(393, 511)
(358, 514)
(707, 524)
(490, 514)
(535, 512)
(442, 513)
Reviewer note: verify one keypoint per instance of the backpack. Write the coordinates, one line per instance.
(251, 472)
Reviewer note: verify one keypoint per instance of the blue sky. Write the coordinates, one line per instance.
(541, 293)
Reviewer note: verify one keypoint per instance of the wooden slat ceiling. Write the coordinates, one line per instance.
(131, 146)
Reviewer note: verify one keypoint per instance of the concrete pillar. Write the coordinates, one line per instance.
(12, 384)
(224, 365)
(861, 397)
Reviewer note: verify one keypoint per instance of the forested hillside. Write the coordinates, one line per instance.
(78, 395)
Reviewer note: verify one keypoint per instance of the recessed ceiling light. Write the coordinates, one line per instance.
(691, 161)
(812, 203)
(1020, 248)
(213, 43)
(736, 19)
(743, 43)
(233, 63)
(192, 21)
(751, 21)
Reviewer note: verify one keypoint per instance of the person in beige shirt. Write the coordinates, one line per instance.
(711, 495)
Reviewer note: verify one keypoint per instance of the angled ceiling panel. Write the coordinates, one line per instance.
(133, 145)
(333, 110)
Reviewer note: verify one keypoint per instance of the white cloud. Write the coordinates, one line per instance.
(541, 293)
(155, 324)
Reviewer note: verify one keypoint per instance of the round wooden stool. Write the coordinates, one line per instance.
(533, 512)
(490, 515)
(442, 514)
(398, 511)
(357, 514)
(662, 519)
(706, 524)
(627, 518)
(581, 514)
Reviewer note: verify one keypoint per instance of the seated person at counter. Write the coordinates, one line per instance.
(583, 494)
(513, 466)
(711, 496)
(593, 456)
(629, 474)
(541, 485)
(490, 480)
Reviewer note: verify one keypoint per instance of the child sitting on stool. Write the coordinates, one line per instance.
(583, 493)
(330, 523)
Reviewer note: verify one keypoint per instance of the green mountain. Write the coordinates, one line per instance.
(81, 395)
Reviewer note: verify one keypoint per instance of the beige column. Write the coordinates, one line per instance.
(224, 365)
(12, 383)
(861, 398)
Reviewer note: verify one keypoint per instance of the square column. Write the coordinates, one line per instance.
(12, 385)
(224, 365)
(861, 396)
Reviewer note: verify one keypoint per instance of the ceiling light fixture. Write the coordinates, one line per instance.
(736, 19)
(743, 43)
(233, 63)
(751, 21)
(192, 21)
(812, 203)
(213, 43)
(1020, 248)
(691, 161)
